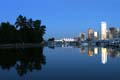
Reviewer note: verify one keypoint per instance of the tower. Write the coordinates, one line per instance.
(103, 30)
(90, 34)
(95, 35)
(82, 36)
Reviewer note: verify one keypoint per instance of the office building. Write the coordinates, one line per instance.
(103, 30)
(112, 32)
(90, 34)
(82, 36)
(96, 35)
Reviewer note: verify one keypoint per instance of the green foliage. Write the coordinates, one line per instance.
(24, 31)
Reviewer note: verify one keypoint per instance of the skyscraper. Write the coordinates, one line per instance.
(82, 36)
(96, 35)
(90, 34)
(103, 30)
(113, 32)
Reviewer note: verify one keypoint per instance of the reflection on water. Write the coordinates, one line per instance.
(70, 62)
(90, 51)
(94, 50)
(104, 55)
(24, 60)
(112, 52)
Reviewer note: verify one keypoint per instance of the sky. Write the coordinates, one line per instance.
(64, 18)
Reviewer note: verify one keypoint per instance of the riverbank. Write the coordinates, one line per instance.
(21, 45)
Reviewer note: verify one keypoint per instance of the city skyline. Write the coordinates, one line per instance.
(104, 34)
(59, 39)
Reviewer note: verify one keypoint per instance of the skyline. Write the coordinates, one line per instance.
(64, 17)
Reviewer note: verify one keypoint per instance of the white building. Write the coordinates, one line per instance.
(95, 35)
(103, 30)
(68, 39)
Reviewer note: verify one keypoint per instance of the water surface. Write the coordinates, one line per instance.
(60, 63)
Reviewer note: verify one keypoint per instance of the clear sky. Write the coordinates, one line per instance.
(64, 18)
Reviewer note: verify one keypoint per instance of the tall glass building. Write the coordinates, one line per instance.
(103, 30)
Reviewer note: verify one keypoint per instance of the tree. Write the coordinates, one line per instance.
(25, 30)
(20, 22)
(30, 30)
(8, 33)
(51, 39)
(37, 24)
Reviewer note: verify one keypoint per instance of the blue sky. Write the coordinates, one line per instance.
(64, 18)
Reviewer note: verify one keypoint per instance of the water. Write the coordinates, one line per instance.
(60, 63)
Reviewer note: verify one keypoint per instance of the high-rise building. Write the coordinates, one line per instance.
(96, 35)
(90, 34)
(103, 30)
(113, 32)
(118, 33)
(108, 34)
(82, 36)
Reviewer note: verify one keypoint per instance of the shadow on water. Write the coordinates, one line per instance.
(24, 60)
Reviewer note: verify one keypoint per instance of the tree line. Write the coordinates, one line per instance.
(23, 31)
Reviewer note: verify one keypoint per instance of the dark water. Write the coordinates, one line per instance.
(60, 63)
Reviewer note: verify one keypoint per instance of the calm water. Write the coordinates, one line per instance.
(60, 63)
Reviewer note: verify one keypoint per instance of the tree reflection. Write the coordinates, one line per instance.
(24, 60)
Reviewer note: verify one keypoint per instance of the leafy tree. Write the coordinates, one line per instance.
(25, 30)
(20, 22)
(51, 39)
(31, 31)
(8, 33)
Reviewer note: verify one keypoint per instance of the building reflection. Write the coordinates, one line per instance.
(104, 52)
(82, 50)
(90, 51)
(96, 50)
(113, 52)
(104, 55)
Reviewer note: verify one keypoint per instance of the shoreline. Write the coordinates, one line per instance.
(21, 45)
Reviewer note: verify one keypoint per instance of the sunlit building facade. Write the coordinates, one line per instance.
(96, 36)
(90, 34)
(103, 30)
